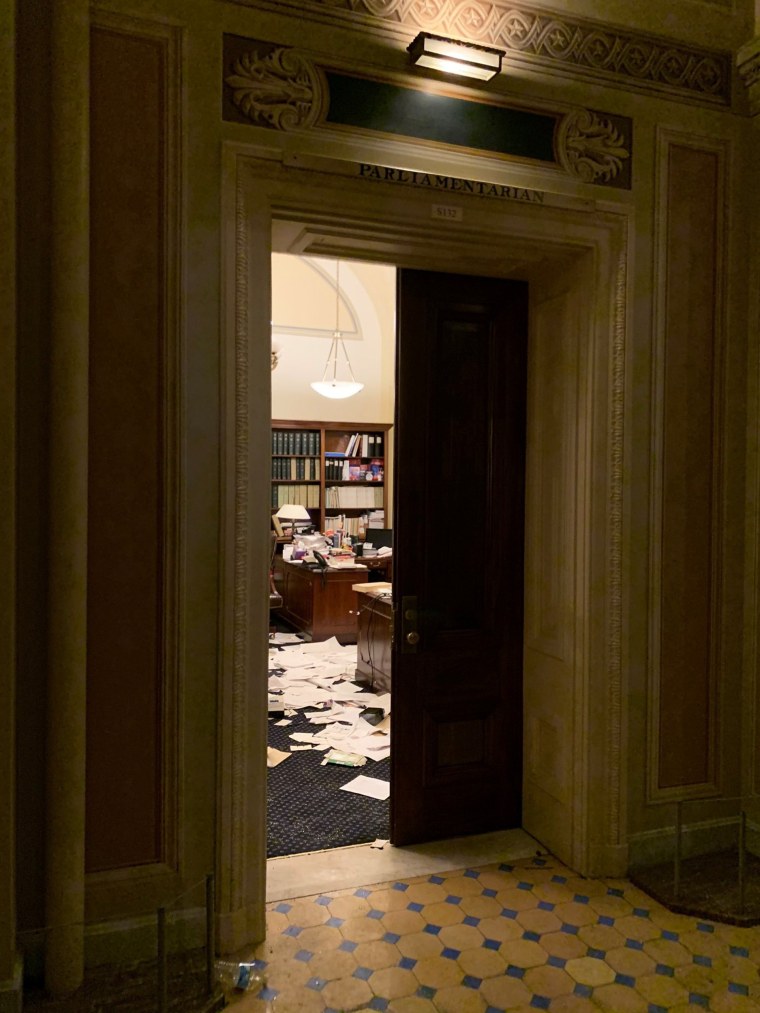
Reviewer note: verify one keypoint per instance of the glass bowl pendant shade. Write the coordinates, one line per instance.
(330, 385)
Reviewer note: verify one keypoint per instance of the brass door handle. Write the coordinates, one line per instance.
(413, 638)
(410, 636)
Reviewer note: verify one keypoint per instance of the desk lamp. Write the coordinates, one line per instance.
(293, 512)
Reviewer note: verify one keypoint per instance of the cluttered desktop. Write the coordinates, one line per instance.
(316, 573)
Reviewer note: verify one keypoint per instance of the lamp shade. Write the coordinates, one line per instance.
(336, 388)
(293, 512)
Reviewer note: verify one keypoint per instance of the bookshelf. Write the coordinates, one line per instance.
(335, 469)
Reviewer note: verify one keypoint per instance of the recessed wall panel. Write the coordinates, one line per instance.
(126, 466)
(689, 461)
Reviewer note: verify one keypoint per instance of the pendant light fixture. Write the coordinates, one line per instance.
(330, 385)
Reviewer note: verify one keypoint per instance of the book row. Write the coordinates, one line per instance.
(354, 469)
(351, 496)
(355, 526)
(295, 441)
(305, 495)
(362, 445)
(304, 469)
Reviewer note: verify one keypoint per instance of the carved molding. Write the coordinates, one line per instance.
(614, 821)
(590, 147)
(280, 89)
(571, 44)
(748, 64)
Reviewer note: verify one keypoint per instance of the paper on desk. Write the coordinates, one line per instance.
(371, 787)
(275, 756)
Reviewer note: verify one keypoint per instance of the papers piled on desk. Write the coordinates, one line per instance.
(320, 676)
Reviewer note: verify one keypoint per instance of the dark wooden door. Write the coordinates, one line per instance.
(458, 555)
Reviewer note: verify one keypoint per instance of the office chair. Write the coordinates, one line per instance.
(275, 598)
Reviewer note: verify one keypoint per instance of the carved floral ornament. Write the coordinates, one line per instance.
(281, 89)
(590, 147)
(284, 90)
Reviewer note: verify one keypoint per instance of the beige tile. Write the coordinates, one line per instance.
(538, 920)
(306, 913)
(729, 1002)
(320, 937)
(739, 969)
(503, 929)
(668, 951)
(459, 999)
(376, 955)
(517, 900)
(278, 948)
(393, 983)
(555, 893)
(482, 963)
(403, 922)
(614, 907)
(523, 953)
(389, 900)
(463, 937)
(276, 922)
(589, 971)
(705, 943)
(250, 1004)
(575, 1004)
(362, 929)
(437, 972)
(412, 1004)
(563, 944)
(704, 980)
(659, 989)
(480, 907)
(600, 937)
(348, 906)
(442, 914)
(634, 927)
(420, 945)
(492, 878)
(463, 886)
(670, 920)
(345, 993)
(288, 974)
(297, 1000)
(333, 964)
(549, 981)
(619, 999)
(575, 914)
(627, 961)
(426, 893)
(586, 887)
(504, 992)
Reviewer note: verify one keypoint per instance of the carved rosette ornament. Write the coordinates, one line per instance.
(590, 147)
(748, 64)
(280, 89)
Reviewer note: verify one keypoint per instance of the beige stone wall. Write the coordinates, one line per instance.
(203, 304)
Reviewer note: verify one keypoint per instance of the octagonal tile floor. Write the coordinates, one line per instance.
(515, 936)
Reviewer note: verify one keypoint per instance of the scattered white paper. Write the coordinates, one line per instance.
(284, 723)
(371, 787)
(295, 749)
(379, 843)
(275, 756)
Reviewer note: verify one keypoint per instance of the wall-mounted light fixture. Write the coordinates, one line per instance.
(451, 57)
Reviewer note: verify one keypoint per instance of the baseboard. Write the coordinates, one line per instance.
(11, 992)
(123, 941)
(652, 847)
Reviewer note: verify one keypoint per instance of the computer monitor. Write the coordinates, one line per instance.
(379, 537)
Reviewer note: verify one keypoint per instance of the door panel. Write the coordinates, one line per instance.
(458, 555)
(553, 556)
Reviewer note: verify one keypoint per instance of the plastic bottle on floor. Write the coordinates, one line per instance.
(238, 976)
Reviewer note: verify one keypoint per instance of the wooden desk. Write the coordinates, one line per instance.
(373, 662)
(321, 603)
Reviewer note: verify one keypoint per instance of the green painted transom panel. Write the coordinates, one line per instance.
(373, 105)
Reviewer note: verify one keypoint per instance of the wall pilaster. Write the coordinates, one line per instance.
(66, 689)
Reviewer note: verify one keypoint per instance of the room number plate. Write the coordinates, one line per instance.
(447, 212)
